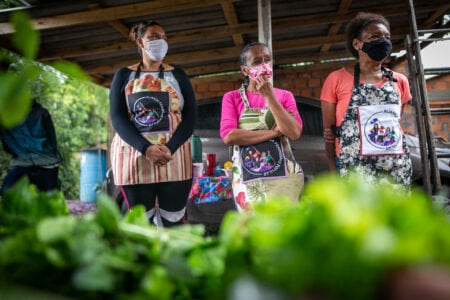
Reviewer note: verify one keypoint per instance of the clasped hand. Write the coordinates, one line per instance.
(158, 154)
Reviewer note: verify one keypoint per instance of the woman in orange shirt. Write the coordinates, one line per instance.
(355, 101)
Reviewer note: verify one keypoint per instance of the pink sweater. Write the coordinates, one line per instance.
(232, 107)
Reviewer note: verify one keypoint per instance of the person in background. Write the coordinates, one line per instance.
(259, 120)
(34, 150)
(153, 112)
(359, 104)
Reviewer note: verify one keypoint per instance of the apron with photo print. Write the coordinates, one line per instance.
(263, 170)
(371, 139)
(154, 106)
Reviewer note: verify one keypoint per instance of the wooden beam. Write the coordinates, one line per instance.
(207, 33)
(201, 57)
(177, 59)
(113, 13)
(344, 5)
(435, 15)
(116, 24)
(315, 41)
(85, 50)
(231, 18)
(317, 58)
(212, 68)
(172, 37)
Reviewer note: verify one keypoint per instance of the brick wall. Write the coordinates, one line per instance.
(307, 82)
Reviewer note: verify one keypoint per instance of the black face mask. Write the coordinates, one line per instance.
(378, 49)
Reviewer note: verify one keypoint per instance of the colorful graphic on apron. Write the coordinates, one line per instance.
(364, 126)
(380, 130)
(263, 161)
(272, 159)
(150, 111)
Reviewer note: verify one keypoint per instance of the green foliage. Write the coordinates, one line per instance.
(79, 110)
(22, 207)
(10, 3)
(102, 255)
(15, 95)
(25, 38)
(71, 69)
(17, 98)
(341, 241)
(78, 107)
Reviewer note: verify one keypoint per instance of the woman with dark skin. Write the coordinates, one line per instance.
(152, 160)
(356, 100)
(259, 118)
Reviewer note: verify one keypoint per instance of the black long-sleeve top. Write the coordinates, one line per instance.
(128, 132)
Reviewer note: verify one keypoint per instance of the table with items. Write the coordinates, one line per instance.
(210, 198)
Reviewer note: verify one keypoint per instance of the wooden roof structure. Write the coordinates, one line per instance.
(206, 36)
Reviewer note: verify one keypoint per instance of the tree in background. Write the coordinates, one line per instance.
(77, 106)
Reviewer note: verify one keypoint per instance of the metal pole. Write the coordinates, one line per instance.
(417, 103)
(435, 177)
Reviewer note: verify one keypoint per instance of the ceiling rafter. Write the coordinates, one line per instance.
(207, 36)
(113, 13)
(211, 33)
(116, 24)
(230, 16)
(344, 5)
(198, 57)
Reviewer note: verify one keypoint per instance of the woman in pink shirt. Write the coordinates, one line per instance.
(362, 106)
(259, 120)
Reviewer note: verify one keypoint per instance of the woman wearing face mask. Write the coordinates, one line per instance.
(359, 104)
(152, 109)
(259, 120)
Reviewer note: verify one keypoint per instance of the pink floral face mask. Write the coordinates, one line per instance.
(261, 69)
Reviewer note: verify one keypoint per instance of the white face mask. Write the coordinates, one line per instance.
(157, 49)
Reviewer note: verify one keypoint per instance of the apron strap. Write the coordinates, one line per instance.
(161, 71)
(244, 97)
(356, 75)
(138, 71)
(386, 73)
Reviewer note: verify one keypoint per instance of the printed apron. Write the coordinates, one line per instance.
(155, 110)
(263, 170)
(371, 139)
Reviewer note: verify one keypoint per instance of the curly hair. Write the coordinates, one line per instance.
(358, 24)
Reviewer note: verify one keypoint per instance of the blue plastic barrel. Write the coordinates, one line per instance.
(92, 173)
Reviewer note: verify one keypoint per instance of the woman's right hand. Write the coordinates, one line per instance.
(158, 154)
(276, 131)
(329, 136)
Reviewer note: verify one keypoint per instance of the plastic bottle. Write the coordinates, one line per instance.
(196, 149)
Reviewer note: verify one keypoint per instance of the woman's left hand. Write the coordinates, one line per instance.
(163, 161)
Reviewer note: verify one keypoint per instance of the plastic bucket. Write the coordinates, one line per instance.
(92, 173)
